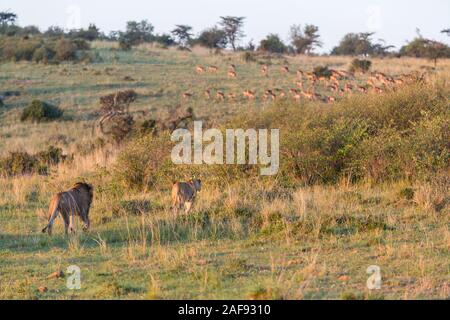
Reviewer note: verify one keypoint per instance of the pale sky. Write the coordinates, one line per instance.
(393, 20)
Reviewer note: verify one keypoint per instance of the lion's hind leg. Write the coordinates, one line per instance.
(52, 213)
(187, 207)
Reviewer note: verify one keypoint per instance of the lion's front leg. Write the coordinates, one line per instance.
(86, 222)
(66, 223)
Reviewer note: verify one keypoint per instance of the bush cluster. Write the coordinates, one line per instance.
(45, 50)
(22, 163)
(40, 111)
(362, 66)
(322, 71)
(402, 134)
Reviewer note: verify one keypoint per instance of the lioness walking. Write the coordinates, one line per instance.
(183, 194)
(75, 201)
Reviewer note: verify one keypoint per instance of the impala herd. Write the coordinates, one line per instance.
(339, 83)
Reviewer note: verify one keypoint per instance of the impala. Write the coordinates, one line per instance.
(378, 90)
(200, 69)
(371, 82)
(249, 94)
(265, 70)
(308, 95)
(333, 88)
(220, 95)
(280, 92)
(348, 88)
(269, 94)
(362, 89)
(232, 74)
(231, 96)
(187, 95)
(311, 76)
(213, 69)
(334, 78)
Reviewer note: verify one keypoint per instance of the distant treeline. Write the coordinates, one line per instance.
(227, 33)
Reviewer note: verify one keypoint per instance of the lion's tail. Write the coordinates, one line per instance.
(52, 213)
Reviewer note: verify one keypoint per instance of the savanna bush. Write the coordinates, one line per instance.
(43, 54)
(22, 163)
(402, 134)
(249, 56)
(362, 66)
(144, 162)
(39, 49)
(322, 71)
(40, 111)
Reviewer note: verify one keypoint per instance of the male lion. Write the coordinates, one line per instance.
(183, 194)
(75, 201)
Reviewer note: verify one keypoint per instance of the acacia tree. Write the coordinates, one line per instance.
(136, 33)
(183, 33)
(426, 48)
(7, 18)
(354, 44)
(437, 50)
(232, 26)
(305, 40)
(91, 33)
(7, 23)
(213, 38)
(54, 32)
(272, 43)
(447, 31)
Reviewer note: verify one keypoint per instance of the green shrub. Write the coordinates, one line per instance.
(39, 111)
(143, 163)
(52, 156)
(249, 56)
(23, 163)
(19, 50)
(362, 66)
(18, 163)
(322, 71)
(40, 49)
(402, 134)
(81, 44)
(125, 43)
(43, 54)
(65, 50)
(399, 135)
(272, 43)
(407, 193)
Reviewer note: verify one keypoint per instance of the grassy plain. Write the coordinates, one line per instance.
(251, 239)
